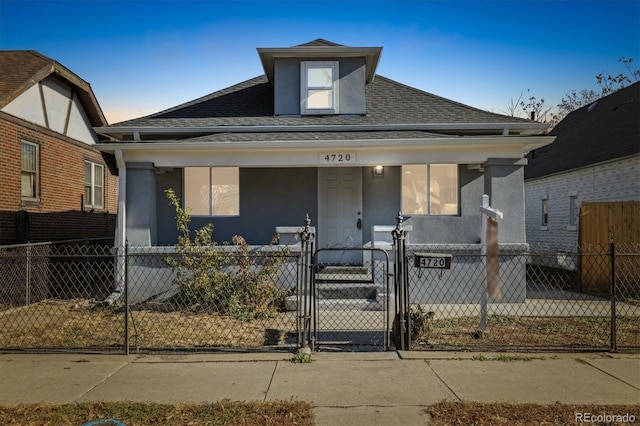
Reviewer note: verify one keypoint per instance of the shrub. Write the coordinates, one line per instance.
(237, 284)
(420, 322)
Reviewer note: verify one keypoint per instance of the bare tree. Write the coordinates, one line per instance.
(513, 106)
(534, 108)
(610, 84)
(574, 100)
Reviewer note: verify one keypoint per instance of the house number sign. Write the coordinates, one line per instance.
(432, 260)
(337, 157)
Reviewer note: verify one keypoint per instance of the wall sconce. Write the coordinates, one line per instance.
(378, 170)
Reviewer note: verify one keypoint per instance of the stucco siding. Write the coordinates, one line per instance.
(53, 105)
(269, 197)
(352, 98)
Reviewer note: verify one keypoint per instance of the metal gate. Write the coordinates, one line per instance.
(343, 306)
(351, 302)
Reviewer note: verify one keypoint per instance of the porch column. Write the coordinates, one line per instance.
(504, 184)
(141, 204)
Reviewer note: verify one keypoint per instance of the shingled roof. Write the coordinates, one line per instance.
(250, 103)
(21, 69)
(393, 110)
(601, 131)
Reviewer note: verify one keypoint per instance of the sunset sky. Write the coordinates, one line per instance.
(144, 56)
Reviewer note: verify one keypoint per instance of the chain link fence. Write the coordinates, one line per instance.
(550, 298)
(89, 296)
(48, 295)
(75, 296)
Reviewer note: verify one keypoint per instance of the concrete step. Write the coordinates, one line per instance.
(350, 304)
(375, 304)
(347, 290)
(344, 274)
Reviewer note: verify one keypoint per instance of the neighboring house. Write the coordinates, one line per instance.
(320, 133)
(55, 183)
(595, 157)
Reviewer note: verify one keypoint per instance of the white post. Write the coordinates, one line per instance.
(483, 253)
(487, 213)
(121, 229)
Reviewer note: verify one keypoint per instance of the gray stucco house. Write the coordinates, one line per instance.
(320, 133)
(596, 157)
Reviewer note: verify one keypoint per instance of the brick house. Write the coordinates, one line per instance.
(595, 158)
(55, 184)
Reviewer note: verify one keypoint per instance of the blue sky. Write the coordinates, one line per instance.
(145, 56)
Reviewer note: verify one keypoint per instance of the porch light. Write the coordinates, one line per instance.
(378, 170)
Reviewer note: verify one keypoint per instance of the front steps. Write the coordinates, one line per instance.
(346, 288)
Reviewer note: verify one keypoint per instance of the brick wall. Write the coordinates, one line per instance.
(58, 214)
(610, 181)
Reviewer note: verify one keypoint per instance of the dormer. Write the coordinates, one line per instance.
(320, 77)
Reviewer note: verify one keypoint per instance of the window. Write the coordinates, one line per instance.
(319, 87)
(212, 191)
(430, 189)
(545, 214)
(93, 185)
(29, 178)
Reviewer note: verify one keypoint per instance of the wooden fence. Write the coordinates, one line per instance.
(600, 224)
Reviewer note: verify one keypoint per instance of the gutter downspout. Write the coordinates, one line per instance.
(121, 229)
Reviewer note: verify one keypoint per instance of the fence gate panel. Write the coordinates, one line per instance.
(351, 302)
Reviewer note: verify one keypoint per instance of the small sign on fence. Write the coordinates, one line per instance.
(432, 260)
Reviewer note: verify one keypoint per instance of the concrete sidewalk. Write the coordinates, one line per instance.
(385, 388)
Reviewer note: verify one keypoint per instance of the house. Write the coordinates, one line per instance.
(595, 158)
(320, 133)
(56, 184)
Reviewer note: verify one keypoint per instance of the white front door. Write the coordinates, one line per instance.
(340, 212)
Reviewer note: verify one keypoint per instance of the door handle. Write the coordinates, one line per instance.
(359, 224)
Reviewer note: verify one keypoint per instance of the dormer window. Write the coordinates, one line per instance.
(319, 87)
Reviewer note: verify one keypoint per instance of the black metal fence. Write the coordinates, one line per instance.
(90, 296)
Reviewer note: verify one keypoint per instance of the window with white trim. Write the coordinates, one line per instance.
(430, 189)
(30, 171)
(93, 185)
(212, 191)
(319, 87)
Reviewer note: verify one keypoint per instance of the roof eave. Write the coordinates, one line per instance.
(458, 142)
(521, 128)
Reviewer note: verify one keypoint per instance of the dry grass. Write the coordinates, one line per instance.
(287, 413)
(272, 413)
(540, 332)
(497, 414)
(76, 324)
